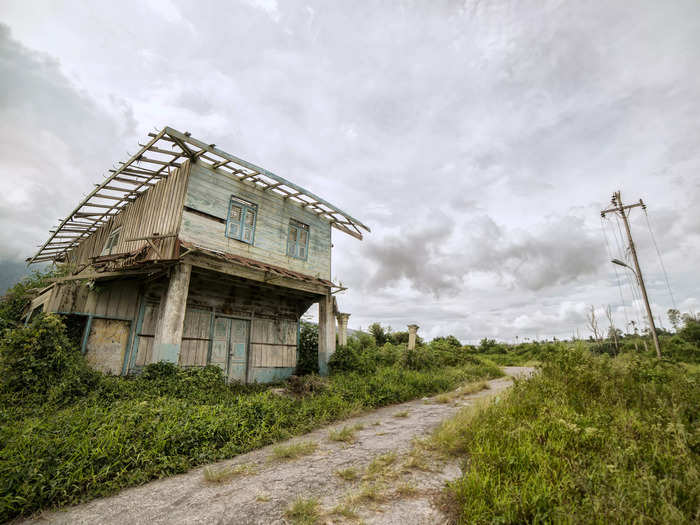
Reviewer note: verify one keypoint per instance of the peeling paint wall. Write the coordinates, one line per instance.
(106, 345)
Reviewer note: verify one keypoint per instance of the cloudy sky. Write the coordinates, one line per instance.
(479, 139)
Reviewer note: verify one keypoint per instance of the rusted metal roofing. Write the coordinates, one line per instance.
(165, 150)
(257, 265)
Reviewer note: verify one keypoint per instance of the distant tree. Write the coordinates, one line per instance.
(379, 334)
(401, 338)
(612, 331)
(592, 322)
(675, 317)
(450, 340)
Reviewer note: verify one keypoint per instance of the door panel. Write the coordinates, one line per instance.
(239, 350)
(220, 344)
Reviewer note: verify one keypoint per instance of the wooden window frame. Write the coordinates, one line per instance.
(108, 248)
(246, 208)
(298, 226)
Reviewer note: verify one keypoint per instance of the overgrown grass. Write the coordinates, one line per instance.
(587, 440)
(83, 435)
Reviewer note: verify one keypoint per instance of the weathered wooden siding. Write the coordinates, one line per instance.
(157, 210)
(209, 192)
(273, 343)
(196, 337)
(273, 313)
(114, 299)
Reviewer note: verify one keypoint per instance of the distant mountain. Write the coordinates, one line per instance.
(13, 271)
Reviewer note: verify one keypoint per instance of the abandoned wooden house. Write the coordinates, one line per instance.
(190, 255)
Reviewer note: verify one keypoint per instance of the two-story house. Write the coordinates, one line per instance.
(190, 255)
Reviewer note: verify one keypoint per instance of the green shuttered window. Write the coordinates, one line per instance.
(298, 240)
(241, 220)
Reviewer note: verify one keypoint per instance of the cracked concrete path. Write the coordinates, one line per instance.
(261, 496)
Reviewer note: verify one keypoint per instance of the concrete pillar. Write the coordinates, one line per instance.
(342, 327)
(326, 333)
(412, 329)
(168, 335)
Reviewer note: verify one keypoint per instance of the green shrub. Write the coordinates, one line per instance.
(349, 358)
(307, 362)
(38, 362)
(14, 303)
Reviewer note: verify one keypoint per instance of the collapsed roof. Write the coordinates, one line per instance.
(168, 149)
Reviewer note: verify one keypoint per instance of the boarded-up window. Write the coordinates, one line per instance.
(195, 337)
(241, 220)
(273, 343)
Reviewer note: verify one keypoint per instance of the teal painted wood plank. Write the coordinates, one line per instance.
(210, 193)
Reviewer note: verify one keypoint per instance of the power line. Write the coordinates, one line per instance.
(661, 260)
(617, 275)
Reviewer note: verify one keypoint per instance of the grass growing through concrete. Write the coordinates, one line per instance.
(586, 440)
(345, 434)
(293, 450)
(219, 475)
(348, 474)
(304, 511)
(465, 390)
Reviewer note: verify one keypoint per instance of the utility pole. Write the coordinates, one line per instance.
(621, 210)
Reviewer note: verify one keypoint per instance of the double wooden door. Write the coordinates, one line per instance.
(230, 347)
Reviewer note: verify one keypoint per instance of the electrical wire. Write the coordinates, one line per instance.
(617, 275)
(661, 260)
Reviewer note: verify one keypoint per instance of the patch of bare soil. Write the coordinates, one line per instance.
(368, 469)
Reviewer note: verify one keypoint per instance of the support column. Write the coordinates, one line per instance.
(342, 328)
(326, 333)
(412, 329)
(168, 335)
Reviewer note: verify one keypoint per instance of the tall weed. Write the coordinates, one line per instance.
(588, 439)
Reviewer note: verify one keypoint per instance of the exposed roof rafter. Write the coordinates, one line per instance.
(142, 172)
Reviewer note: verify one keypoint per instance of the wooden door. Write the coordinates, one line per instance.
(230, 347)
(220, 343)
(238, 360)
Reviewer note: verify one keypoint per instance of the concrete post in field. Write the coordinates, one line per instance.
(326, 333)
(412, 329)
(342, 327)
(168, 334)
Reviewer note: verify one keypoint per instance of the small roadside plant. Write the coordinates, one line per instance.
(294, 450)
(304, 511)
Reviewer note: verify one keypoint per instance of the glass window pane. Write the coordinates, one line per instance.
(233, 228)
(302, 251)
(249, 217)
(302, 237)
(236, 212)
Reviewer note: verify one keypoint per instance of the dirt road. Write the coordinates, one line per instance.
(399, 487)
